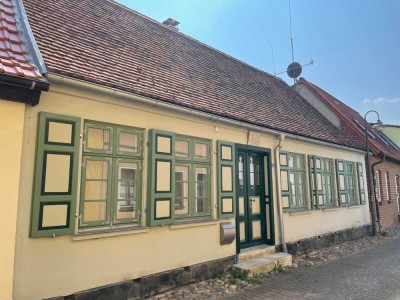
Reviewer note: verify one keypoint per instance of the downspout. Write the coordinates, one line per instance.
(278, 192)
(378, 214)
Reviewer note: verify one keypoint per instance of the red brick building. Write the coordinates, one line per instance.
(384, 153)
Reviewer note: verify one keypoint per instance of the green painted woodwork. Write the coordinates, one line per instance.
(153, 195)
(222, 194)
(320, 167)
(345, 172)
(252, 191)
(40, 199)
(295, 168)
(114, 157)
(189, 161)
(361, 185)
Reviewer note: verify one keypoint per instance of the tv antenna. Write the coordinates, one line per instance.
(294, 69)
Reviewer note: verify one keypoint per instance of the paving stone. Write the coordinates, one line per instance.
(356, 265)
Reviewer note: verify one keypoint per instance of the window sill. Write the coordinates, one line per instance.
(328, 209)
(96, 234)
(193, 223)
(298, 212)
(354, 206)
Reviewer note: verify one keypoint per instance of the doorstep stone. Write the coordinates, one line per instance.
(254, 252)
(265, 264)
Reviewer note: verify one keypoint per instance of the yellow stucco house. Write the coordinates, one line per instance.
(156, 160)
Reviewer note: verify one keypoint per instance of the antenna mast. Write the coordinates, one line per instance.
(291, 32)
(294, 69)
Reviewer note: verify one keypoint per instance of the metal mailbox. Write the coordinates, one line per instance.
(227, 233)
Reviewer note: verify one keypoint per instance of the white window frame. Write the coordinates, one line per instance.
(377, 186)
(387, 186)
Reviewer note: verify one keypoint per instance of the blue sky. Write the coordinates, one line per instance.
(355, 44)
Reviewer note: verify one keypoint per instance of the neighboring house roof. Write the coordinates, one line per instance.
(105, 43)
(20, 77)
(378, 141)
(14, 60)
(393, 132)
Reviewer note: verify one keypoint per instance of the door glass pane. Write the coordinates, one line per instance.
(252, 176)
(256, 227)
(98, 139)
(128, 142)
(126, 205)
(255, 205)
(266, 175)
(242, 231)
(181, 190)
(201, 183)
(241, 172)
(241, 206)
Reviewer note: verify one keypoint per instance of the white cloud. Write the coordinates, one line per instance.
(388, 108)
(381, 100)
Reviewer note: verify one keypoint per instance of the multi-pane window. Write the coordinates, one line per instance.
(321, 177)
(111, 175)
(346, 177)
(377, 186)
(293, 181)
(192, 177)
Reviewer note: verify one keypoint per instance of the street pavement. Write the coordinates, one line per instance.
(369, 274)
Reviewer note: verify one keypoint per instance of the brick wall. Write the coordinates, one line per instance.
(388, 205)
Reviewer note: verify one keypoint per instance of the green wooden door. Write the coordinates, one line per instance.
(251, 198)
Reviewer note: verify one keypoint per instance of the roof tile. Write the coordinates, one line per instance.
(13, 58)
(108, 44)
(349, 115)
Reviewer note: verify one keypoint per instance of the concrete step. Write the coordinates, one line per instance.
(265, 264)
(254, 252)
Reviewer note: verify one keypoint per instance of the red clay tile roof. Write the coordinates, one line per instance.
(106, 43)
(348, 116)
(13, 58)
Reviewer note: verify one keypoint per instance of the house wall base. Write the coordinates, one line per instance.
(325, 240)
(153, 284)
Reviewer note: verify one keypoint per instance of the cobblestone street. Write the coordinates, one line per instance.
(370, 274)
(366, 268)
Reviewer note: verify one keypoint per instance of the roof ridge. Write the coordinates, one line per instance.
(336, 99)
(193, 39)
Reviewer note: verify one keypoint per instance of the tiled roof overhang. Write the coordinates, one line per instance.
(17, 70)
(348, 115)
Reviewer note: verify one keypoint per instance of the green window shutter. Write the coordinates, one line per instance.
(56, 173)
(312, 176)
(226, 180)
(284, 178)
(341, 182)
(361, 187)
(161, 177)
